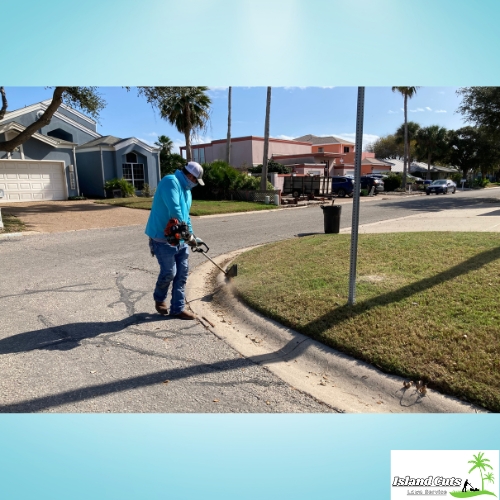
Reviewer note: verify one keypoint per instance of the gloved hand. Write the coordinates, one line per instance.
(193, 242)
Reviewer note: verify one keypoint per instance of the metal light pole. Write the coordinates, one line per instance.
(355, 201)
(263, 180)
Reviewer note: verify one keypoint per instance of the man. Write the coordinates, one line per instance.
(172, 200)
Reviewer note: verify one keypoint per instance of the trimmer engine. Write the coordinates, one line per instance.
(176, 231)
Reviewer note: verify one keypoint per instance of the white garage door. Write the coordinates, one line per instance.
(24, 180)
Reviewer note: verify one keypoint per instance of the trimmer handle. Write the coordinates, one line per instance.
(199, 249)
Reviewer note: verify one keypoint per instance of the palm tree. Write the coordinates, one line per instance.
(431, 143)
(165, 144)
(407, 93)
(228, 146)
(188, 109)
(413, 128)
(489, 477)
(480, 463)
(263, 179)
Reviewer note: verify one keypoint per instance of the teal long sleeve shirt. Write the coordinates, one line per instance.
(172, 200)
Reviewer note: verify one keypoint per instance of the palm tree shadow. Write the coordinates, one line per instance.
(69, 336)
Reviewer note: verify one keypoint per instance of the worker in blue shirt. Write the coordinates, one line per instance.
(172, 200)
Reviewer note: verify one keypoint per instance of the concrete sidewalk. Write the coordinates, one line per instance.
(483, 219)
(346, 384)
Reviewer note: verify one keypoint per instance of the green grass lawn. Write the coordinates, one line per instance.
(12, 224)
(199, 207)
(427, 304)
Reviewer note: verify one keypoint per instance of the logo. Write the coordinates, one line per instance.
(444, 473)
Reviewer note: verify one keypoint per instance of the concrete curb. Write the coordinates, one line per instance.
(345, 384)
(13, 236)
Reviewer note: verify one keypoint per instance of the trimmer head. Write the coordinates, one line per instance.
(232, 271)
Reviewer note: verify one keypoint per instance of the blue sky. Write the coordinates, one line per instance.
(295, 111)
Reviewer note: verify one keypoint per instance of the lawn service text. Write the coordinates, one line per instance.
(430, 481)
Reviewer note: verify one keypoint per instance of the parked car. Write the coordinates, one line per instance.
(452, 186)
(342, 185)
(368, 181)
(441, 186)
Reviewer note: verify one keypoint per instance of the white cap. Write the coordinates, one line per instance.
(197, 170)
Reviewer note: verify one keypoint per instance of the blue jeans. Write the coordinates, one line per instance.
(174, 268)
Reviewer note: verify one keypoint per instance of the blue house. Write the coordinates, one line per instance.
(68, 157)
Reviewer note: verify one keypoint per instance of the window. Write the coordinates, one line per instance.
(134, 173)
(199, 155)
(346, 149)
(131, 158)
(320, 150)
(59, 133)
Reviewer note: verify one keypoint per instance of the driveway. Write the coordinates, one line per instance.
(62, 216)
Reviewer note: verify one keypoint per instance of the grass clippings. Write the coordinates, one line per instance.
(427, 304)
(198, 208)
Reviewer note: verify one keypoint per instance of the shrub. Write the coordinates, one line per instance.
(272, 166)
(220, 178)
(364, 192)
(128, 189)
(481, 182)
(147, 191)
(392, 182)
(456, 178)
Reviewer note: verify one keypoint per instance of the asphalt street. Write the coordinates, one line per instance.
(78, 330)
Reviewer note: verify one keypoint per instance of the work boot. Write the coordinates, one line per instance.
(184, 315)
(162, 308)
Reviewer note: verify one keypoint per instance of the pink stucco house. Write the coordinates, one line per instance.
(308, 154)
(245, 151)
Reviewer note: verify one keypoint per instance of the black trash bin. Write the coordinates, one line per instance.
(331, 214)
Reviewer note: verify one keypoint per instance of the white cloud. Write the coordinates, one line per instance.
(351, 137)
(294, 88)
(418, 110)
(428, 109)
(200, 139)
(147, 141)
(440, 110)
(218, 92)
(284, 137)
(391, 112)
(177, 143)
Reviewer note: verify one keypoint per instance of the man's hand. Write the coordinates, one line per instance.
(194, 242)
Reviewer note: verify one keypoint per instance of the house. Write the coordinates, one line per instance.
(68, 157)
(245, 151)
(327, 144)
(419, 169)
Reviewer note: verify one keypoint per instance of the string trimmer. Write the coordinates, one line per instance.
(230, 273)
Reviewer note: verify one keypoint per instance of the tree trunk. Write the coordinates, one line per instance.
(44, 120)
(429, 167)
(187, 133)
(5, 104)
(407, 146)
(263, 180)
(228, 145)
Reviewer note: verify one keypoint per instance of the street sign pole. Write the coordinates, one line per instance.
(355, 201)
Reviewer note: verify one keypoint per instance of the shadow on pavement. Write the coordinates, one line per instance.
(67, 337)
